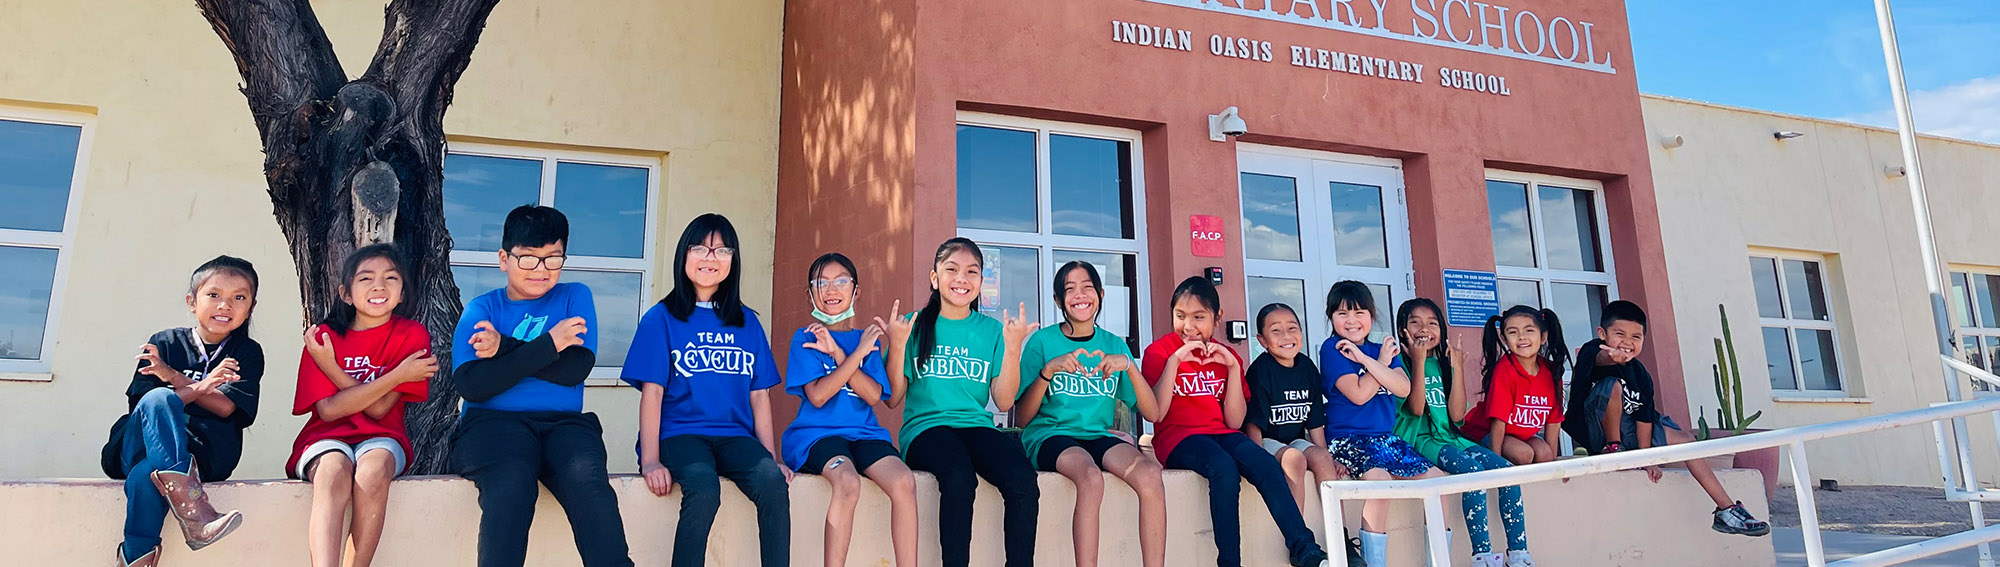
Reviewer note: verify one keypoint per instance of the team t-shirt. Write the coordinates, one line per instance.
(1527, 402)
(954, 385)
(1285, 401)
(527, 320)
(1198, 388)
(1079, 405)
(707, 369)
(1433, 431)
(845, 415)
(1344, 418)
(215, 441)
(365, 355)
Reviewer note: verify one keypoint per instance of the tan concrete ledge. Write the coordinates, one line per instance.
(1615, 519)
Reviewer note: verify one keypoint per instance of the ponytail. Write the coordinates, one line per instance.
(1491, 347)
(1555, 350)
(924, 328)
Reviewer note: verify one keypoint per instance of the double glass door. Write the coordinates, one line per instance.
(1310, 220)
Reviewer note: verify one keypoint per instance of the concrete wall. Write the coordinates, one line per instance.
(1733, 188)
(434, 521)
(174, 175)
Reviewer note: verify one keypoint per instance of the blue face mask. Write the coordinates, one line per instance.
(826, 319)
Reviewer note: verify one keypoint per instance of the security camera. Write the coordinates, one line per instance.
(1227, 125)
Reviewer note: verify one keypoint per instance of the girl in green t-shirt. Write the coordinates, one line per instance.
(948, 362)
(1073, 376)
(1430, 423)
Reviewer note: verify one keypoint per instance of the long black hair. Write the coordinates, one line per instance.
(1403, 314)
(233, 266)
(1096, 283)
(1555, 353)
(728, 299)
(924, 328)
(340, 316)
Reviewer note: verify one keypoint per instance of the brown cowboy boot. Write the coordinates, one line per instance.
(150, 559)
(199, 521)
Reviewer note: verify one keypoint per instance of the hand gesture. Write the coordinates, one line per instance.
(871, 339)
(486, 341)
(224, 373)
(823, 341)
(1115, 363)
(1192, 351)
(1066, 363)
(1016, 328)
(898, 325)
(1348, 349)
(417, 367)
(1219, 353)
(319, 344)
(1390, 348)
(658, 479)
(1457, 356)
(1420, 347)
(153, 366)
(567, 333)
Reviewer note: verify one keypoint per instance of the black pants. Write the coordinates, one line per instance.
(505, 453)
(1228, 459)
(946, 453)
(698, 462)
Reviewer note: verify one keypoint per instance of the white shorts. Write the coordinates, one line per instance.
(353, 452)
(1272, 446)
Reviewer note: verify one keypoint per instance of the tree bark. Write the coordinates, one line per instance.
(330, 143)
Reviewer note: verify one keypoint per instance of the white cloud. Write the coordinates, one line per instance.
(1968, 110)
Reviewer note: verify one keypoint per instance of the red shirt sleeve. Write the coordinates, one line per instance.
(414, 338)
(1500, 402)
(1154, 363)
(313, 385)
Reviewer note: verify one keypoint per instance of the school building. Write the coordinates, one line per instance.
(1279, 148)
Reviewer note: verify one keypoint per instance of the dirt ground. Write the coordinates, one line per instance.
(1890, 510)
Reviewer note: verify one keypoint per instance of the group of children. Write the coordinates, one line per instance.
(705, 369)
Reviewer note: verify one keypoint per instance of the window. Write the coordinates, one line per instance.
(1036, 195)
(609, 200)
(1975, 295)
(1550, 247)
(1797, 323)
(1311, 219)
(41, 174)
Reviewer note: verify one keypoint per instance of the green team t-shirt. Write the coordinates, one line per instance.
(1077, 405)
(1433, 431)
(955, 384)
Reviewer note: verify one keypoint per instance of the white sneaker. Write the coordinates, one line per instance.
(1519, 558)
(1488, 560)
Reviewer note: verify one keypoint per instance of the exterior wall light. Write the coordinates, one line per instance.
(1786, 134)
(1671, 142)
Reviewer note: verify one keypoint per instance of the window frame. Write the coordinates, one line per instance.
(646, 265)
(1970, 327)
(41, 369)
(1542, 275)
(1791, 326)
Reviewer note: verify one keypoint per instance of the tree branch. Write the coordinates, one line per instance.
(281, 52)
(426, 45)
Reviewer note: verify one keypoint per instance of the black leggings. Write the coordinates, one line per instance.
(945, 453)
(1227, 460)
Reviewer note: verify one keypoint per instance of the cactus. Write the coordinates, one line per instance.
(1728, 387)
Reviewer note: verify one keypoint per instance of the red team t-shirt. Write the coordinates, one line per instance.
(1527, 402)
(1198, 388)
(365, 355)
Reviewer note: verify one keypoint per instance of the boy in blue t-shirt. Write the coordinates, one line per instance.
(520, 356)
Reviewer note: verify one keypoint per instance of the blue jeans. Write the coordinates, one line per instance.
(1228, 459)
(1474, 459)
(156, 439)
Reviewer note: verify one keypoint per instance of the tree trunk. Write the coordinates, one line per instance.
(376, 142)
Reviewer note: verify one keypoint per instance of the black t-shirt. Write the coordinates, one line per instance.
(215, 441)
(1639, 401)
(1285, 402)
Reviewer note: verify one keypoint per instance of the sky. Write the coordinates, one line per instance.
(1823, 58)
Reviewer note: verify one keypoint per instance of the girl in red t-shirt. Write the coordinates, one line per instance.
(360, 366)
(1521, 417)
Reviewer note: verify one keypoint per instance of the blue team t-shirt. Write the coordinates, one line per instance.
(708, 370)
(527, 320)
(1344, 418)
(845, 415)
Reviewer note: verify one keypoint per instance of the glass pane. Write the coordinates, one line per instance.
(1578, 306)
(1090, 186)
(1985, 298)
(1385, 308)
(1764, 277)
(1507, 208)
(1013, 278)
(1805, 290)
(1119, 312)
(1778, 358)
(1973, 352)
(996, 179)
(1961, 292)
(1520, 292)
(1270, 217)
(478, 193)
(24, 300)
(606, 206)
(1817, 364)
(616, 294)
(1359, 236)
(1265, 291)
(1993, 357)
(37, 162)
(1569, 219)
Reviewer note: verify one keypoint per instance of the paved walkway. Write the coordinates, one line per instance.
(1790, 545)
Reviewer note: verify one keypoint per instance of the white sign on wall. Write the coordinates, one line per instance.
(1469, 25)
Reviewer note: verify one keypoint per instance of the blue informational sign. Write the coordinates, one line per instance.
(1470, 297)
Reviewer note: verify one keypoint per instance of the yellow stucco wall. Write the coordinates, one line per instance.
(174, 174)
(1732, 189)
